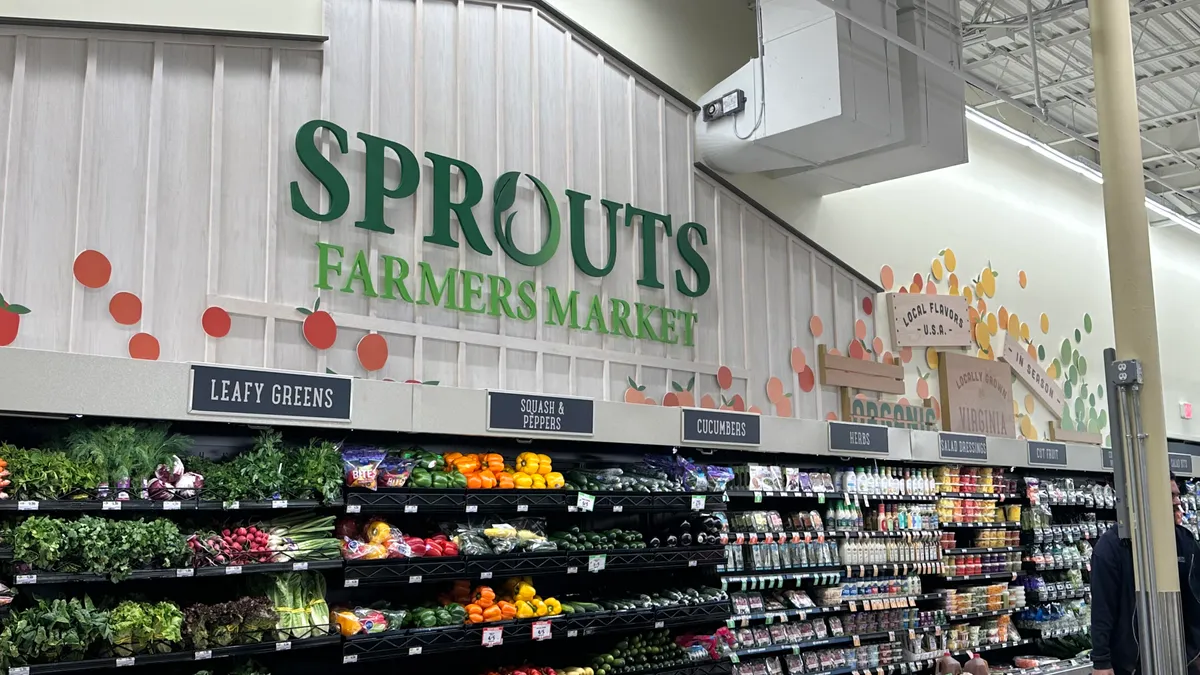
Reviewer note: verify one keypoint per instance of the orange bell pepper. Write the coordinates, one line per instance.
(504, 481)
(467, 465)
(488, 479)
(484, 596)
(449, 457)
(492, 614)
(507, 610)
(474, 481)
(494, 462)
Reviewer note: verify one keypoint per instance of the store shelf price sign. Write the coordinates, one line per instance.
(540, 414)
(585, 502)
(596, 563)
(541, 630)
(970, 447)
(1180, 463)
(493, 636)
(1044, 453)
(222, 390)
(858, 438)
(702, 426)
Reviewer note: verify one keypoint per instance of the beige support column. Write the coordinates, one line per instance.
(1129, 265)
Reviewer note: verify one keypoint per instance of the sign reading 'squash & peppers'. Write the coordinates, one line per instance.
(452, 205)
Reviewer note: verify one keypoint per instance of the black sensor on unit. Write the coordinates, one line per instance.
(729, 104)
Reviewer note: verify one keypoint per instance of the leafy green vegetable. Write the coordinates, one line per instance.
(52, 631)
(314, 472)
(92, 545)
(43, 474)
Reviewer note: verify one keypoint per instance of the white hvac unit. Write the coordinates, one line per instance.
(832, 106)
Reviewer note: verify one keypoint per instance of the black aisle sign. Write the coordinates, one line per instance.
(703, 425)
(540, 414)
(1180, 463)
(1108, 457)
(969, 447)
(269, 393)
(847, 437)
(1044, 453)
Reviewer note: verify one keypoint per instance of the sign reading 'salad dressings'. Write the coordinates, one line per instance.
(452, 211)
(976, 396)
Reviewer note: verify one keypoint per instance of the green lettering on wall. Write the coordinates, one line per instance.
(499, 288)
(528, 308)
(578, 206)
(694, 260)
(360, 272)
(649, 236)
(557, 313)
(323, 170)
(504, 194)
(374, 190)
(472, 291)
(443, 189)
(393, 280)
(645, 331)
(432, 293)
(689, 323)
(595, 317)
(619, 320)
(324, 267)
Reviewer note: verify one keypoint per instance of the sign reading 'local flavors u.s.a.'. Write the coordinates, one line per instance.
(976, 396)
(929, 320)
(457, 191)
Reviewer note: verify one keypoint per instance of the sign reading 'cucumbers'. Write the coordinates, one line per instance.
(458, 190)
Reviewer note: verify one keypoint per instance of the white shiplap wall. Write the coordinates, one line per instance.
(172, 156)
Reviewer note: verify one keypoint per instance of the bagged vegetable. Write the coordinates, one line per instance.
(719, 477)
(353, 549)
(531, 535)
(395, 470)
(361, 464)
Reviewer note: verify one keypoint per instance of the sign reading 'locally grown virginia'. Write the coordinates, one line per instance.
(457, 190)
(976, 396)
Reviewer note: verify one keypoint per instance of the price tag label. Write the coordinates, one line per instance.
(184, 572)
(857, 642)
(572, 633)
(698, 502)
(541, 630)
(27, 506)
(351, 583)
(414, 579)
(349, 658)
(572, 570)
(757, 497)
(522, 508)
(596, 563)
(26, 579)
(283, 646)
(691, 563)
(585, 502)
(232, 506)
(472, 508)
(22, 670)
(353, 508)
(110, 506)
(821, 498)
(485, 575)
(414, 651)
(413, 508)
(617, 508)
(299, 567)
(493, 637)
(126, 662)
(279, 503)
(233, 569)
(172, 506)
(204, 655)
(660, 624)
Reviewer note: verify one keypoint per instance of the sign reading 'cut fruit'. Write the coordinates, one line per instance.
(269, 393)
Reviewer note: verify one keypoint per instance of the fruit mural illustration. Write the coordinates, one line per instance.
(681, 396)
(10, 321)
(372, 352)
(216, 322)
(319, 327)
(1085, 409)
(636, 394)
(92, 269)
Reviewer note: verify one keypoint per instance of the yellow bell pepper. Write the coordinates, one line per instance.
(528, 462)
(554, 480)
(553, 606)
(523, 480)
(544, 465)
(539, 481)
(525, 592)
(540, 607)
(526, 610)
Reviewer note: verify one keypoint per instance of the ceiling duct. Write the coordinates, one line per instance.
(831, 106)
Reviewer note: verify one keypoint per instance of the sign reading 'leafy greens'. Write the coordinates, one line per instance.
(540, 414)
(269, 393)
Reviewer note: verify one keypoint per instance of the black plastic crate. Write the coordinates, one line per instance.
(403, 570)
(551, 562)
(406, 500)
(517, 501)
(692, 614)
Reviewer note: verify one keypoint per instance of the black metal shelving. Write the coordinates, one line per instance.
(406, 500)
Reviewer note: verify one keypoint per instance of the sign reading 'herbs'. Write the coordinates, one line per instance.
(846, 437)
(540, 414)
(269, 393)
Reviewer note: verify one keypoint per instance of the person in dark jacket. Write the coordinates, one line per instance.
(1115, 642)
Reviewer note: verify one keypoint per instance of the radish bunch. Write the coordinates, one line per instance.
(232, 546)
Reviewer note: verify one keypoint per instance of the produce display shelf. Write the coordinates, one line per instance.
(176, 657)
(808, 569)
(417, 570)
(417, 641)
(6, 553)
(64, 505)
(816, 535)
(1035, 633)
(43, 578)
(1071, 667)
(708, 668)
(1012, 576)
(894, 569)
(977, 526)
(993, 549)
(758, 495)
(1043, 567)
(997, 496)
(1055, 596)
(431, 500)
(767, 581)
(969, 616)
(1082, 505)
(863, 605)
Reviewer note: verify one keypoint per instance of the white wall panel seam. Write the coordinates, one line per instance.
(631, 112)
(373, 126)
(569, 87)
(742, 285)
(812, 286)
(459, 66)
(216, 138)
(418, 150)
(153, 161)
(793, 380)
(82, 211)
(326, 151)
(499, 98)
(15, 121)
(716, 243)
(535, 116)
(273, 179)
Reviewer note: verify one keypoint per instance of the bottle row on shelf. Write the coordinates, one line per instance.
(881, 482)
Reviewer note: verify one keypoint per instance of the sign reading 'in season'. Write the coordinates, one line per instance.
(920, 320)
(540, 414)
(269, 393)
(1026, 367)
(720, 427)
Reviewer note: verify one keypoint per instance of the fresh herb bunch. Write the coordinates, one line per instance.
(141, 627)
(121, 452)
(39, 541)
(314, 472)
(45, 474)
(53, 631)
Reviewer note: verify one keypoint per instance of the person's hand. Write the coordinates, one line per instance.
(1103, 672)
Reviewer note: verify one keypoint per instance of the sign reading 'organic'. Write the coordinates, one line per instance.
(898, 415)
(457, 191)
(920, 320)
(976, 395)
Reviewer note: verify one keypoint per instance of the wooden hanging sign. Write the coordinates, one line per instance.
(1061, 435)
(920, 320)
(976, 396)
(1034, 376)
(853, 375)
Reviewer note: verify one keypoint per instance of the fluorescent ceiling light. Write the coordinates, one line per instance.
(995, 126)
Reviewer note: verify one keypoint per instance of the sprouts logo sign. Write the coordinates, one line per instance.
(452, 211)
